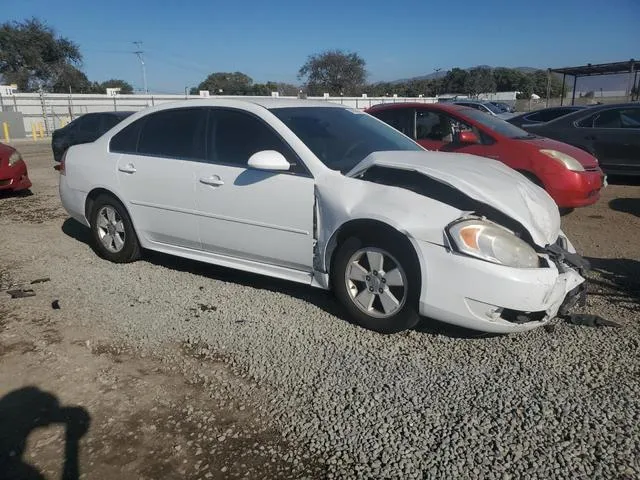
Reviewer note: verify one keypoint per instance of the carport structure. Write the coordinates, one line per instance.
(630, 66)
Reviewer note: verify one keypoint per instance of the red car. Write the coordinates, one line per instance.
(570, 175)
(13, 170)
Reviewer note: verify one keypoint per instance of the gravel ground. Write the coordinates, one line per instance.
(348, 403)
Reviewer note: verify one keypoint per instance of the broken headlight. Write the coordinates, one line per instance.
(493, 243)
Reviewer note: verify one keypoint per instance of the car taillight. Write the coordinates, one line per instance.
(61, 166)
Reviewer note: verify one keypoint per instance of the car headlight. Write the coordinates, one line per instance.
(14, 158)
(567, 161)
(490, 242)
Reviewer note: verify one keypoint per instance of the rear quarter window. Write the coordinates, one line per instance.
(126, 140)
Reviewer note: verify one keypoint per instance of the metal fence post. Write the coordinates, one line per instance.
(115, 107)
(44, 112)
(15, 103)
(1, 103)
(70, 104)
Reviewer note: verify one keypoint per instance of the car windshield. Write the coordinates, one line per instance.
(341, 137)
(497, 124)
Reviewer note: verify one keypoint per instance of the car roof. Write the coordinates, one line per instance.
(590, 110)
(273, 102)
(249, 104)
(477, 102)
(570, 108)
(444, 106)
(123, 113)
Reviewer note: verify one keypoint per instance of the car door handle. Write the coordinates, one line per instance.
(590, 137)
(214, 181)
(128, 168)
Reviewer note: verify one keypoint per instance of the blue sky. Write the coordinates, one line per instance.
(184, 41)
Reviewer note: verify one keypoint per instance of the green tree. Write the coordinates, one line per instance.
(454, 81)
(334, 71)
(479, 80)
(70, 79)
(125, 87)
(226, 83)
(380, 89)
(506, 79)
(32, 55)
(287, 89)
(540, 78)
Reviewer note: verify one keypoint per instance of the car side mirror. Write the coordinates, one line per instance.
(270, 160)
(468, 137)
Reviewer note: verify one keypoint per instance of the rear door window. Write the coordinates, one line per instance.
(126, 140)
(607, 119)
(402, 119)
(630, 118)
(175, 133)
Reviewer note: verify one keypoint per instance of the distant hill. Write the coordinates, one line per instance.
(607, 82)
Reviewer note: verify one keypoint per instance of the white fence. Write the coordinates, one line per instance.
(53, 110)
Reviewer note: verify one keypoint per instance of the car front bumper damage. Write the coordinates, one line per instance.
(484, 296)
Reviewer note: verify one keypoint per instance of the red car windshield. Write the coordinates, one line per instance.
(497, 124)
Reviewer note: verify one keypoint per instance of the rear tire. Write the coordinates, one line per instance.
(377, 280)
(112, 231)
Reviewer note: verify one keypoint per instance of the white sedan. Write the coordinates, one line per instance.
(324, 195)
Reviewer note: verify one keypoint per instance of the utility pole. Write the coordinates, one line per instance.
(139, 52)
(437, 70)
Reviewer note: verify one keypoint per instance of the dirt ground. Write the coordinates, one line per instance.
(73, 401)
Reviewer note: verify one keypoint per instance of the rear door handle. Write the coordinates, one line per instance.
(590, 137)
(128, 168)
(214, 181)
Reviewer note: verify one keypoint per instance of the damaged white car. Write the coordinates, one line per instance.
(328, 196)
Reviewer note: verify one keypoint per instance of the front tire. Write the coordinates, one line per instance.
(377, 281)
(112, 231)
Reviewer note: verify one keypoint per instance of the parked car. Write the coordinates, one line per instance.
(13, 170)
(571, 176)
(486, 107)
(543, 115)
(317, 193)
(505, 107)
(609, 132)
(84, 129)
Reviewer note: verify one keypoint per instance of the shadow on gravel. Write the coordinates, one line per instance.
(27, 409)
(626, 205)
(320, 298)
(74, 229)
(622, 275)
(11, 194)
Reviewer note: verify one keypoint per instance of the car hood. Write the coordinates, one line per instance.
(586, 159)
(484, 180)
